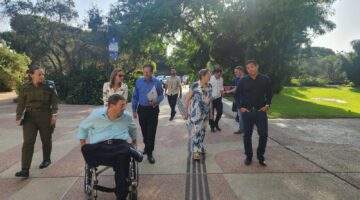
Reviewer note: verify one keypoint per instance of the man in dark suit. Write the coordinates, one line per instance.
(256, 94)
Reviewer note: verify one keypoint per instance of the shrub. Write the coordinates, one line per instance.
(294, 82)
(84, 86)
(351, 64)
(12, 68)
(80, 86)
(312, 81)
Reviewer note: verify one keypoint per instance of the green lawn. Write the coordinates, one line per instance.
(316, 102)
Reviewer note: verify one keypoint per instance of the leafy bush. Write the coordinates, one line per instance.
(294, 82)
(351, 64)
(130, 81)
(12, 68)
(312, 81)
(84, 86)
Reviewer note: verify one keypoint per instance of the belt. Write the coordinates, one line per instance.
(37, 109)
(148, 107)
(253, 109)
(113, 141)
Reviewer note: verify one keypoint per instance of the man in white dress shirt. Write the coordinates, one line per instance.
(217, 83)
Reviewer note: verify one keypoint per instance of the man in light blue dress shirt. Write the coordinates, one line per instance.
(98, 127)
(107, 131)
(148, 94)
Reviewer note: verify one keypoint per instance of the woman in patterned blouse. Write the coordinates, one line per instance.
(198, 104)
(116, 85)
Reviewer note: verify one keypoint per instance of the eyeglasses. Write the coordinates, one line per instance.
(121, 75)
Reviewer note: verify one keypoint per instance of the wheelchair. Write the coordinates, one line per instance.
(91, 183)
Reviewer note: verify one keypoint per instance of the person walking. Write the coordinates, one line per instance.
(239, 73)
(116, 85)
(217, 84)
(148, 94)
(36, 111)
(173, 91)
(255, 95)
(198, 104)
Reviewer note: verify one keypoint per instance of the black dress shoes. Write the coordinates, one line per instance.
(138, 156)
(151, 159)
(23, 173)
(45, 164)
(218, 128)
(247, 162)
(172, 116)
(262, 163)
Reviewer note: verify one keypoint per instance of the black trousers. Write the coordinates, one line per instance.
(172, 99)
(218, 106)
(259, 119)
(148, 120)
(115, 155)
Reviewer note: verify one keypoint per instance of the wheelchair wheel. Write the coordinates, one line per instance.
(133, 195)
(136, 170)
(89, 181)
(134, 180)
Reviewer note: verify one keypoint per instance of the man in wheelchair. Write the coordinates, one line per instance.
(107, 130)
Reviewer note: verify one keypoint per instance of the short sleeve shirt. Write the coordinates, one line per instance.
(173, 85)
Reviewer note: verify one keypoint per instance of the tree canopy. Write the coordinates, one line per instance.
(351, 63)
(226, 32)
(201, 33)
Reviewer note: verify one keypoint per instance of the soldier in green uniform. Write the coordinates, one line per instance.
(36, 112)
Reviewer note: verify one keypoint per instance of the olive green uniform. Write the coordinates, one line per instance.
(39, 104)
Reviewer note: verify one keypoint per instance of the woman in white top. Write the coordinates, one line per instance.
(115, 86)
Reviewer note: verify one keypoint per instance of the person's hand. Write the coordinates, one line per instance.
(186, 115)
(152, 103)
(82, 142)
(134, 143)
(18, 122)
(207, 100)
(244, 110)
(265, 108)
(180, 95)
(53, 120)
(135, 115)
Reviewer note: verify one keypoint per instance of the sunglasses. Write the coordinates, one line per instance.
(121, 75)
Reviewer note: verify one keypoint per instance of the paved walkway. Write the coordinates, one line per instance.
(308, 159)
